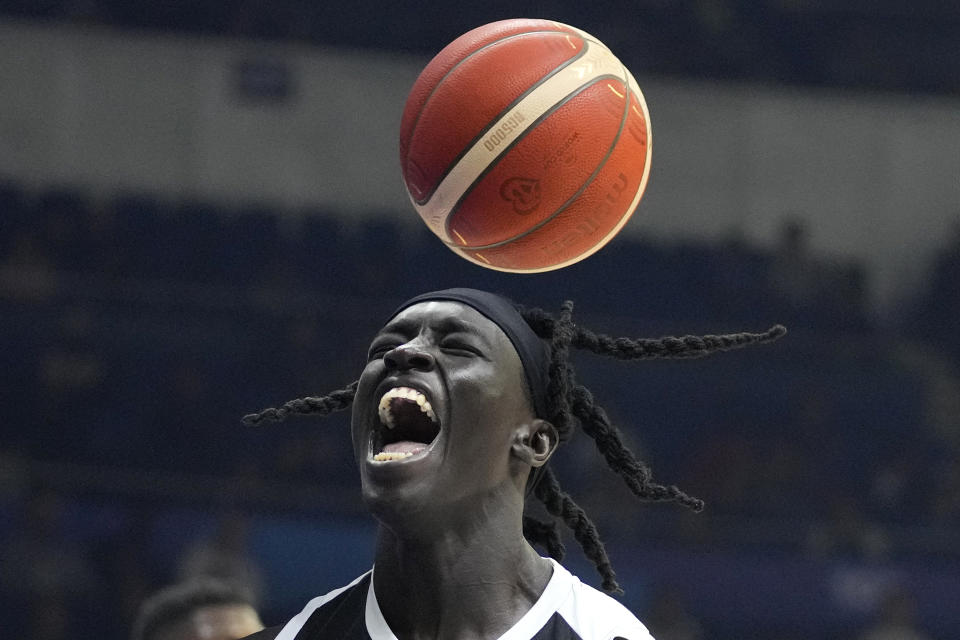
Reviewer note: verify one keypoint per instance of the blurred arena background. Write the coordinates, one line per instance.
(201, 214)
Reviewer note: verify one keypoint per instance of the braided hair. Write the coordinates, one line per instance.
(571, 403)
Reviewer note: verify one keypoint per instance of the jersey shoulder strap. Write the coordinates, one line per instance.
(336, 615)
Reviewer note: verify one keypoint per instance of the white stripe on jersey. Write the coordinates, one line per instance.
(594, 615)
(292, 628)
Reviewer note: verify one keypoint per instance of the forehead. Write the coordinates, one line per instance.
(447, 316)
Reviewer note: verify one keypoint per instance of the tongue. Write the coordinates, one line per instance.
(404, 446)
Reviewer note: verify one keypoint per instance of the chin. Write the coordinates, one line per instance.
(407, 510)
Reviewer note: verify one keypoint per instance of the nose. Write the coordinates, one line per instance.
(408, 357)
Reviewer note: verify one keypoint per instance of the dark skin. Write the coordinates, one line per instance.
(451, 559)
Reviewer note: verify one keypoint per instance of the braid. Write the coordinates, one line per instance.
(637, 475)
(669, 347)
(558, 389)
(539, 320)
(335, 401)
(569, 401)
(544, 534)
(561, 505)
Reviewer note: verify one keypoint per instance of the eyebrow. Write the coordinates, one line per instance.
(445, 325)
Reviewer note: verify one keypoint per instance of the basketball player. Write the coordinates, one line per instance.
(201, 609)
(455, 417)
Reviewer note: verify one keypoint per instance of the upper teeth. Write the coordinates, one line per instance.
(405, 393)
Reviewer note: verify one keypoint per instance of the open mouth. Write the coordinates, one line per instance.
(408, 425)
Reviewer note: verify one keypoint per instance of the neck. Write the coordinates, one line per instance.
(472, 581)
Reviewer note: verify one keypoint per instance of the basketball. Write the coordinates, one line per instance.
(525, 145)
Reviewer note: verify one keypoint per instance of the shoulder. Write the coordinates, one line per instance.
(339, 614)
(594, 615)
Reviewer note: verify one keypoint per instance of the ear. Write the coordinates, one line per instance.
(534, 442)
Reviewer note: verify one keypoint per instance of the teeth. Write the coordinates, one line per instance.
(389, 455)
(405, 393)
(384, 411)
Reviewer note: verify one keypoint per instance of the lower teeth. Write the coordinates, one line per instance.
(390, 455)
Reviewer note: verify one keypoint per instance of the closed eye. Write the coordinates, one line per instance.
(459, 347)
(378, 350)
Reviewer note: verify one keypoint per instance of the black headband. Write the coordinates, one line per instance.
(534, 353)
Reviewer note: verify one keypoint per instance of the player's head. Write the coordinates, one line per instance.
(201, 609)
(448, 413)
(499, 413)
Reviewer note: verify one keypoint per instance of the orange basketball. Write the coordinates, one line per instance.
(525, 145)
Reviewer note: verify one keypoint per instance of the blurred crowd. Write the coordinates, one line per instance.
(137, 331)
(877, 45)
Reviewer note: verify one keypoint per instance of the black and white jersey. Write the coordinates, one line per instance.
(567, 610)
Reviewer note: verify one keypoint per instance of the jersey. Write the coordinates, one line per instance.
(566, 610)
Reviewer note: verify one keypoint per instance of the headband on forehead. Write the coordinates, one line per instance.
(533, 352)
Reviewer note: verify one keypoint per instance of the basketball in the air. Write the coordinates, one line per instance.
(525, 145)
